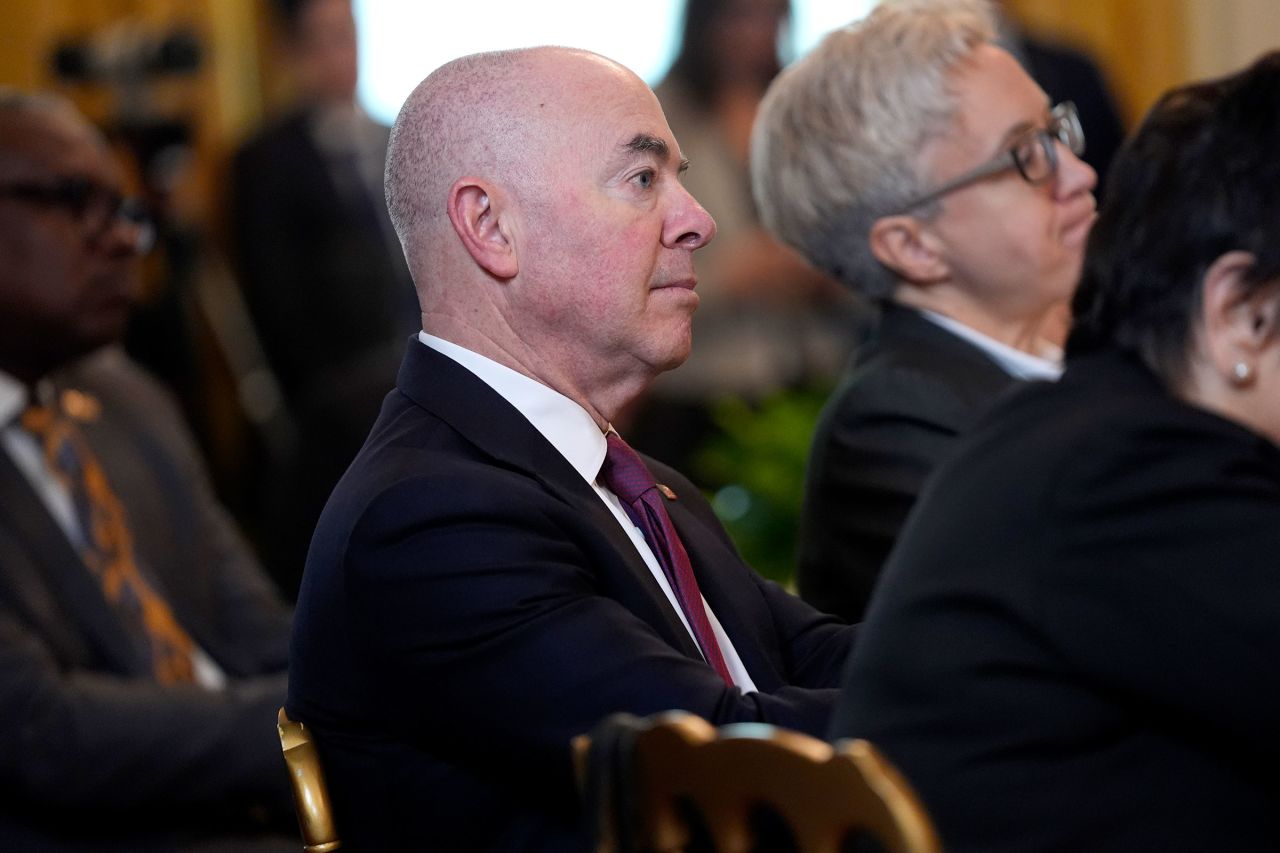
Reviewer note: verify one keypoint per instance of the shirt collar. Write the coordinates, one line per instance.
(13, 399)
(564, 423)
(1015, 362)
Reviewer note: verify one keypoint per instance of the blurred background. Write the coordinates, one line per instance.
(181, 85)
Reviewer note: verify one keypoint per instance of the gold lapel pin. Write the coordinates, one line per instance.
(666, 492)
(80, 406)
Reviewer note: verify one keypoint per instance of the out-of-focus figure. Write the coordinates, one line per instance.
(766, 320)
(1067, 73)
(1073, 646)
(320, 266)
(915, 160)
(142, 650)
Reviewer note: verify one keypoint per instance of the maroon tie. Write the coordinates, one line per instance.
(624, 473)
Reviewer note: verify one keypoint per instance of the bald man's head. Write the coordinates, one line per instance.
(490, 115)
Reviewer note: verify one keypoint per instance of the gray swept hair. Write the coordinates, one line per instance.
(837, 140)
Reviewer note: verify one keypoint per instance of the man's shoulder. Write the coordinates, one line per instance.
(424, 461)
(114, 385)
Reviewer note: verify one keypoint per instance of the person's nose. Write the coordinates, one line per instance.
(689, 225)
(126, 235)
(1075, 176)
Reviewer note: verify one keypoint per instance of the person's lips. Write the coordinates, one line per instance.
(1076, 229)
(681, 284)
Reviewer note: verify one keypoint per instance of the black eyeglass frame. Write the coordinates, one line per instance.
(1063, 126)
(80, 196)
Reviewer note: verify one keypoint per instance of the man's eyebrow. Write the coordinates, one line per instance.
(647, 143)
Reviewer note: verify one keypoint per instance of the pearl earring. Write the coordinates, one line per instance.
(1241, 372)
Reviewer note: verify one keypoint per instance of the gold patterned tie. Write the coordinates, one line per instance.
(108, 546)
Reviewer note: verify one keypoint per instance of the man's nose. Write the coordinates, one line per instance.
(690, 226)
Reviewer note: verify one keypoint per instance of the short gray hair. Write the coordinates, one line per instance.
(837, 141)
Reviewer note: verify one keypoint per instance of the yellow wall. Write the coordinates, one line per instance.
(218, 103)
(1142, 45)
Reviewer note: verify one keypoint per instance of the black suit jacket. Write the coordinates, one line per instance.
(470, 604)
(1074, 645)
(94, 754)
(331, 298)
(911, 389)
(321, 277)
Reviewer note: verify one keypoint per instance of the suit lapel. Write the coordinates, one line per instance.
(56, 568)
(968, 369)
(454, 394)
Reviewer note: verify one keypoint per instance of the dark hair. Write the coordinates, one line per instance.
(290, 13)
(695, 65)
(1199, 178)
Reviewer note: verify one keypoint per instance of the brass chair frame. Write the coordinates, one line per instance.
(679, 761)
(310, 792)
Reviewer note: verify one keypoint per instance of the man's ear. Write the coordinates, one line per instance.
(1239, 317)
(905, 245)
(480, 222)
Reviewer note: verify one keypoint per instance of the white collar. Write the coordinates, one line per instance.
(13, 399)
(1015, 362)
(564, 423)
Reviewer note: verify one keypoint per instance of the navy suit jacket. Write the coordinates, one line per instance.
(912, 389)
(470, 604)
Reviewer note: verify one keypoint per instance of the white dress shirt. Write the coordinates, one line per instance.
(572, 432)
(1015, 362)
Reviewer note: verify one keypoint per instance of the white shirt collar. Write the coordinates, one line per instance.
(1015, 362)
(564, 423)
(13, 399)
(573, 432)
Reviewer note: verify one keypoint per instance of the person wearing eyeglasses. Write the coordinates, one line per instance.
(1074, 646)
(142, 650)
(914, 160)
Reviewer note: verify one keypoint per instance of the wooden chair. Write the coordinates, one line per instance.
(663, 783)
(310, 793)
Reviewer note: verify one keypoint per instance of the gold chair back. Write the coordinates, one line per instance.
(672, 771)
(310, 793)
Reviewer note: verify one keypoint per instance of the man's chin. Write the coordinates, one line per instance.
(673, 362)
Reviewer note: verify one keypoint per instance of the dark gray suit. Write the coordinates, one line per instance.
(912, 388)
(93, 753)
(331, 298)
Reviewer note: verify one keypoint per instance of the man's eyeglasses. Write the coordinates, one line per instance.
(1033, 154)
(95, 206)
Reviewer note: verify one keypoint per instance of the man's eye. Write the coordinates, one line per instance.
(644, 179)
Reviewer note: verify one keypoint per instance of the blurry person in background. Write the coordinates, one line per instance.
(320, 268)
(914, 160)
(1074, 645)
(142, 649)
(767, 321)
